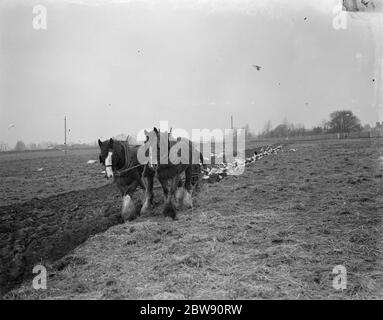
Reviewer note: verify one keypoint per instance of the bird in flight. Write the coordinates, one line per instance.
(256, 67)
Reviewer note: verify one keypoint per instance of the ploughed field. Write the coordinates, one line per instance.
(40, 174)
(276, 231)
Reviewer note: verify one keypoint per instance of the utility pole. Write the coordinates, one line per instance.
(341, 126)
(65, 134)
(231, 121)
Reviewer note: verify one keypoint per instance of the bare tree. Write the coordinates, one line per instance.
(268, 126)
(248, 133)
(20, 146)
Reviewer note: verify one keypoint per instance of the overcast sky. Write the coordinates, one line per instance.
(118, 66)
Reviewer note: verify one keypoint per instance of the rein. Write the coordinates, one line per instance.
(120, 172)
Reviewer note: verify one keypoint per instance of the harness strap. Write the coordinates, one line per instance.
(122, 171)
(128, 161)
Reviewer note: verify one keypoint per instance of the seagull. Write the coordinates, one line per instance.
(256, 67)
(11, 126)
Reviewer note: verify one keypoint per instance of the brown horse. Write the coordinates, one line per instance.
(121, 164)
(171, 159)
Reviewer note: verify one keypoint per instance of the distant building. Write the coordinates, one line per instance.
(377, 131)
(4, 146)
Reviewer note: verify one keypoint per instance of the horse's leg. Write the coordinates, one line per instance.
(187, 199)
(129, 210)
(170, 209)
(139, 179)
(141, 183)
(196, 187)
(119, 183)
(164, 185)
(147, 206)
(179, 194)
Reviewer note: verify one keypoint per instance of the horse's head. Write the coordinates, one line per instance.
(151, 135)
(159, 141)
(106, 156)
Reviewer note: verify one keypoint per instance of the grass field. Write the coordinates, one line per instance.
(275, 232)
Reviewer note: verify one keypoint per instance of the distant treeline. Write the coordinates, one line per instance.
(342, 123)
(21, 146)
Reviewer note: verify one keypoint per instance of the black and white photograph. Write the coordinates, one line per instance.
(191, 150)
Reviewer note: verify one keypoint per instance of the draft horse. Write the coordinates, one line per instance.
(171, 159)
(121, 165)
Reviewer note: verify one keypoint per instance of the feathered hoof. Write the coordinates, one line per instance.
(187, 200)
(146, 209)
(180, 194)
(129, 210)
(170, 211)
(130, 216)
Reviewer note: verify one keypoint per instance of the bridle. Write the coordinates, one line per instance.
(110, 154)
